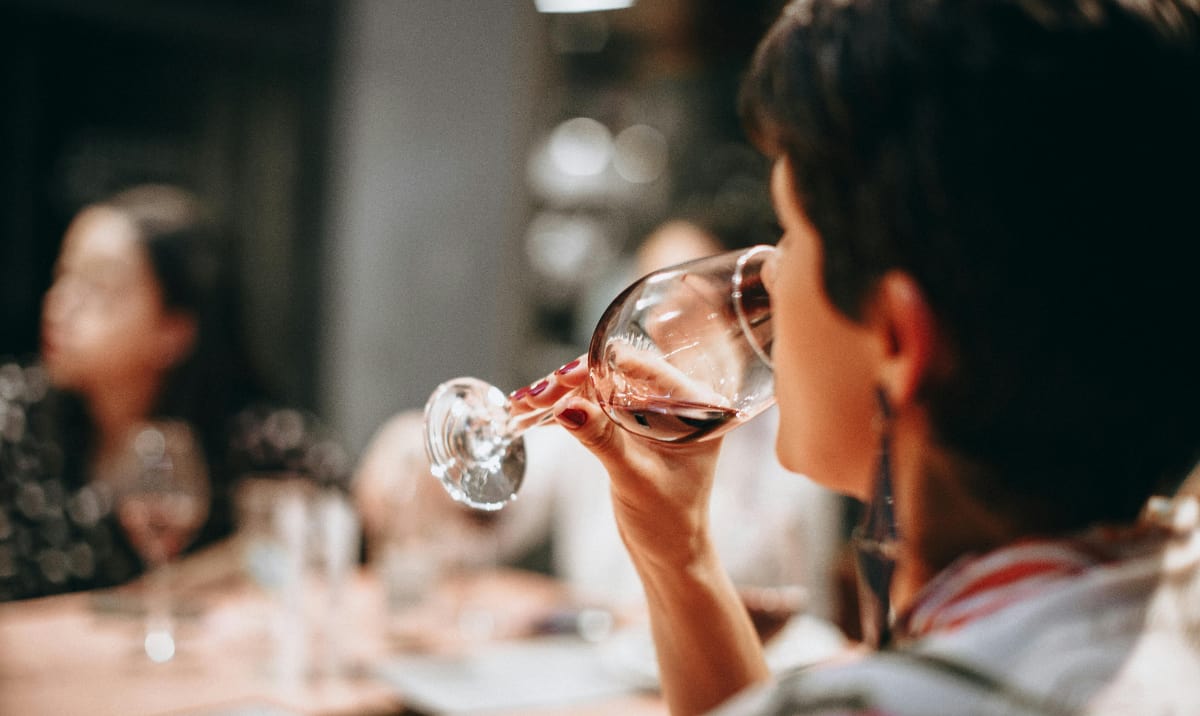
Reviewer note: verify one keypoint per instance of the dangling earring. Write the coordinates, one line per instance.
(875, 541)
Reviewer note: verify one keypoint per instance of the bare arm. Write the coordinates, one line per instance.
(706, 644)
(707, 648)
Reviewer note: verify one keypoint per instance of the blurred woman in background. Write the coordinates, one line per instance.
(141, 322)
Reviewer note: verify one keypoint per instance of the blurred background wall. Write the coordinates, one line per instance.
(421, 188)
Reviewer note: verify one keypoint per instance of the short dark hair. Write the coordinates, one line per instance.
(1033, 165)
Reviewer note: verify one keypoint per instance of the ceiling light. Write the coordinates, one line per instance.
(581, 5)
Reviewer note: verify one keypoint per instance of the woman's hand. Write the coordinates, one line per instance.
(660, 491)
(706, 645)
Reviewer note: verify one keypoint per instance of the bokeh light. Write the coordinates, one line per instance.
(566, 249)
(640, 154)
(581, 147)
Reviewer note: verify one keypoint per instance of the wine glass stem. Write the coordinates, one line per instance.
(160, 626)
(519, 423)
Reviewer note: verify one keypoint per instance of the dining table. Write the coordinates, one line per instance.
(82, 653)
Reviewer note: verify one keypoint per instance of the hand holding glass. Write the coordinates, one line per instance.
(681, 355)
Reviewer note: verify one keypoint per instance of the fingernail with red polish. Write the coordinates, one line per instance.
(568, 367)
(519, 393)
(573, 417)
(537, 389)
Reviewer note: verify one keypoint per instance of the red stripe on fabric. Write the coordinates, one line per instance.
(980, 611)
(998, 571)
(1011, 573)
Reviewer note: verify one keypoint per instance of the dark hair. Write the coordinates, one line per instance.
(1033, 166)
(191, 255)
(190, 252)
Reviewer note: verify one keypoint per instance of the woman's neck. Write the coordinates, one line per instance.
(115, 410)
(938, 520)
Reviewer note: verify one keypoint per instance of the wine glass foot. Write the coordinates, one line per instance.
(159, 645)
(469, 446)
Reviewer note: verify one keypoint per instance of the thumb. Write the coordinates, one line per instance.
(588, 423)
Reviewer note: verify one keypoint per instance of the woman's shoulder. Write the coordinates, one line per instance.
(1114, 639)
(904, 682)
(35, 419)
(57, 533)
(23, 395)
(22, 383)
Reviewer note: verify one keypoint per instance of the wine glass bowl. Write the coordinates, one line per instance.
(164, 500)
(683, 354)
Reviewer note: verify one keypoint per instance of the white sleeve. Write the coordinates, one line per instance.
(525, 523)
(771, 525)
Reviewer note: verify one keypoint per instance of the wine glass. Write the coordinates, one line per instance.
(681, 355)
(162, 499)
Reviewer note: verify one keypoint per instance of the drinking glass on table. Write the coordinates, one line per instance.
(681, 355)
(162, 500)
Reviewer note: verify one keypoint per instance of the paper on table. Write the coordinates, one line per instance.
(804, 641)
(539, 673)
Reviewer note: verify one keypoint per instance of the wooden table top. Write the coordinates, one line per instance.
(82, 654)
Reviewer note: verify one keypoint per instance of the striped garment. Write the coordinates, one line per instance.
(1102, 624)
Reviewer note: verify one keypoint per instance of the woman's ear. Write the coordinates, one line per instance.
(908, 333)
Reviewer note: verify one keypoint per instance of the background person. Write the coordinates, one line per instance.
(141, 322)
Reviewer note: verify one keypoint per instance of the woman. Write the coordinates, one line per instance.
(140, 322)
(980, 302)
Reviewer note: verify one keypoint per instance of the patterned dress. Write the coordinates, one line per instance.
(58, 531)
